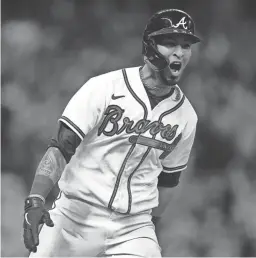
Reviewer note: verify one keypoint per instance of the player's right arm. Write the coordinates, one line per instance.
(80, 116)
(47, 175)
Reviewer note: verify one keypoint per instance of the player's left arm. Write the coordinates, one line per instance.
(166, 187)
(173, 165)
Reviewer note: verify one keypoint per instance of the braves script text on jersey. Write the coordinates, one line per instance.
(125, 144)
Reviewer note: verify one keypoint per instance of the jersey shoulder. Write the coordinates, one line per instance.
(114, 80)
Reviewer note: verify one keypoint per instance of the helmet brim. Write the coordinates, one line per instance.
(172, 32)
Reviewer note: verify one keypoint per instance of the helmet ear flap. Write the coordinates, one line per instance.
(158, 61)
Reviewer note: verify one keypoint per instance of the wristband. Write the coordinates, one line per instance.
(38, 196)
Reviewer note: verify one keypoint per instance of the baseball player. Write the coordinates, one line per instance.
(123, 140)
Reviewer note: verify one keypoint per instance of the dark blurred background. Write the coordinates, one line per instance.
(50, 48)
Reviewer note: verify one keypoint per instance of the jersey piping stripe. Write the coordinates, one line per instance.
(147, 151)
(130, 178)
(133, 146)
(75, 128)
(120, 175)
(175, 168)
(134, 94)
(172, 109)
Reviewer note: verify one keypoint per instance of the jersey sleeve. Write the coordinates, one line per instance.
(177, 160)
(85, 108)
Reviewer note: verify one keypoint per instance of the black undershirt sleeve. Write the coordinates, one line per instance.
(168, 179)
(67, 141)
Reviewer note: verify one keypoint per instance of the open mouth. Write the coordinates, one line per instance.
(175, 66)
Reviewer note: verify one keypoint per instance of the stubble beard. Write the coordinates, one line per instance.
(168, 78)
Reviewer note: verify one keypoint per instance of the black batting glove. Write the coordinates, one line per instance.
(35, 215)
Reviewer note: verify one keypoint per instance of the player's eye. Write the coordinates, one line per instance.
(170, 44)
(186, 46)
(167, 43)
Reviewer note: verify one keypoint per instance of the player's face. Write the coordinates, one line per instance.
(177, 50)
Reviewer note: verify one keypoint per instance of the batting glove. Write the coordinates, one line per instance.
(35, 215)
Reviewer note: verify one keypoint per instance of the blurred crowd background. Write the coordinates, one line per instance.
(50, 48)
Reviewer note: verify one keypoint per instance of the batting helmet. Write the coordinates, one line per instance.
(172, 22)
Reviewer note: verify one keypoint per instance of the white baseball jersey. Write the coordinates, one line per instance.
(125, 144)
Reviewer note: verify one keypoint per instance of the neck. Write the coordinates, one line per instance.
(154, 82)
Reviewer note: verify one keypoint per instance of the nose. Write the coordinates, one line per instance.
(178, 51)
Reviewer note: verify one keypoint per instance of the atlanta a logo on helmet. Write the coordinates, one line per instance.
(182, 23)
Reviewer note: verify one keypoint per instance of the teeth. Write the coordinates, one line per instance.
(175, 66)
